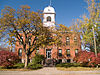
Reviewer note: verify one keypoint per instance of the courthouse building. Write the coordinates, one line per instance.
(65, 53)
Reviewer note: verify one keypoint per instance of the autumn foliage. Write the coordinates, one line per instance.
(87, 58)
(8, 59)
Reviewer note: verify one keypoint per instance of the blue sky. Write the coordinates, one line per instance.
(66, 10)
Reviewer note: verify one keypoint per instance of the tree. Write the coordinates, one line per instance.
(8, 59)
(87, 23)
(22, 26)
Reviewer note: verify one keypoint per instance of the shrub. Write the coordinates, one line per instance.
(76, 64)
(34, 66)
(19, 65)
(60, 65)
(98, 59)
(38, 59)
(68, 65)
(1, 67)
(36, 62)
(8, 59)
(87, 59)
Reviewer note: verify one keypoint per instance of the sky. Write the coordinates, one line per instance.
(66, 10)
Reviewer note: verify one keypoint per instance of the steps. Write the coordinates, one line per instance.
(49, 63)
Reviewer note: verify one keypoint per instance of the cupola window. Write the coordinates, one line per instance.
(49, 18)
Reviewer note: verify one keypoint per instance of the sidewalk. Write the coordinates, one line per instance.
(49, 71)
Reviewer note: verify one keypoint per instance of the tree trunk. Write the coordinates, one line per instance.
(26, 60)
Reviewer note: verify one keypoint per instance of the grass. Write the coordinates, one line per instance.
(59, 68)
(78, 69)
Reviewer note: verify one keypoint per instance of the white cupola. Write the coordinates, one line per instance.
(49, 17)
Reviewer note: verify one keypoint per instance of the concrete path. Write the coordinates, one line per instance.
(49, 71)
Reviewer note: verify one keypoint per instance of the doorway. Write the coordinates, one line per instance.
(48, 53)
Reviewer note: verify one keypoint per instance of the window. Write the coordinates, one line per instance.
(20, 43)
(75, 40)
(49, 38)
(68, 60)
(37, 38)
(37, 51)
(59, 61)
(67, 40)
(60, 52)
(76, 51)
(49, 18)
(20, 52)
(68, 52)
(29, 38)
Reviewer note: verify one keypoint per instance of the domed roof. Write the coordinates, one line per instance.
(49, 9)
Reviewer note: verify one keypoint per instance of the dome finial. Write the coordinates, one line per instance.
(50, 2)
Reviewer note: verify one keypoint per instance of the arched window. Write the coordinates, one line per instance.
(49, 18)
(20, 52)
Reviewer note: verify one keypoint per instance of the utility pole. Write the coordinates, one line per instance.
(94, 42)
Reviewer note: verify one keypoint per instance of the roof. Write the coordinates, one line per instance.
(49, 9)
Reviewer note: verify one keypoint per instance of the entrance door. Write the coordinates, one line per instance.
(48, 53)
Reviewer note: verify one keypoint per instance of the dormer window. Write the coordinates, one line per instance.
(49, 18)
(48, 9)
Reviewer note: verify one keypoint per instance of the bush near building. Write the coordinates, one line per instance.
(38, 59)
(8, 59)
(87, 59)
(83, 59)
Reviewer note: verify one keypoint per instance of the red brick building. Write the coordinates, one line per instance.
(65, 53)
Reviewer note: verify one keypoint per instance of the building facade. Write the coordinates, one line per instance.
(65, 53)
